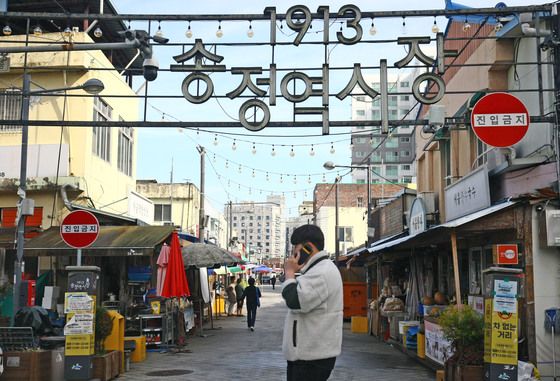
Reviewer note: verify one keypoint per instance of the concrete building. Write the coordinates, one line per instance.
(261, 226)
(393, 156)
(305, 216)
(352, 209)
(178, 204)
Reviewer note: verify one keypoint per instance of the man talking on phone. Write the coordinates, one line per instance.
(313, 326)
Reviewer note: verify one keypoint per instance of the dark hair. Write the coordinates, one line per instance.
(251, 281)
(308, 233)
(238, 280)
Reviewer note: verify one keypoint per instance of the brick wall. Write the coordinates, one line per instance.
(348, 194)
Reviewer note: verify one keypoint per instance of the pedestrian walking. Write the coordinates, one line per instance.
(313, 326)
(239, 295)
(231, 298)
(253, 296)
(273, 281)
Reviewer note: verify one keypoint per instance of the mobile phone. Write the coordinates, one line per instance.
(304, 253)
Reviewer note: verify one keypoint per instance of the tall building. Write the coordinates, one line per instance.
(260, 226)
(305, 216)
(392, 158)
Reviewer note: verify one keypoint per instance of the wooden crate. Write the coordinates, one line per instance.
(27, 366)
(106, 367)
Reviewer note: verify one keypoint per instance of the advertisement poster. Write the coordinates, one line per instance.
(500, 335)
(77, 302)
(79, 345)
(79, 324)
(505, 288)
(438, 348)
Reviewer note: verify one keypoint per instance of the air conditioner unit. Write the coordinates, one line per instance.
(552, 220)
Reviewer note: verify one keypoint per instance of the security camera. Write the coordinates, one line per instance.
(151, 66)
(539, 208)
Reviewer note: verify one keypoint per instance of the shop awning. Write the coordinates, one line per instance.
(386, 244)
(112, 241)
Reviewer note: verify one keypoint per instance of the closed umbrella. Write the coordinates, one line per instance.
(162, 261)
(175, 283)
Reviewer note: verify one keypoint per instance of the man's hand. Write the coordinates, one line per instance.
(291, 266)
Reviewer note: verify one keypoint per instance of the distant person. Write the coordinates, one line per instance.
(239, 295)
(313, 326)
(273, 281)
(231, 298)
(253, 295)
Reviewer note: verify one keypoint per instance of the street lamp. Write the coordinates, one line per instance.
(25, 207)
(329, 165)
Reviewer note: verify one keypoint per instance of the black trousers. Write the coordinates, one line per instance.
(315, 370)
(251, 314)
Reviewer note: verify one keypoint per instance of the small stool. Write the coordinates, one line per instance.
(137, 346)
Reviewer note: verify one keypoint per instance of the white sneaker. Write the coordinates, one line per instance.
(252, 329)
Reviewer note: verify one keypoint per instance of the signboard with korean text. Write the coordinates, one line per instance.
(417, 217)
(505, 254)
(500, 119)
(468, 195)
(79, 324)
(79, 229)
(78, 302)
(79, 345)
(500, 336)
(437, 347)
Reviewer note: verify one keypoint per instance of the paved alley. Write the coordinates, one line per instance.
(232, 352)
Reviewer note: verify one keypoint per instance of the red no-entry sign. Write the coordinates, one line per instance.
(500, 119)
(79, 229)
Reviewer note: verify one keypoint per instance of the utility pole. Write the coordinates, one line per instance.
(201, 216)
(369, 227)
(230, 235)
(336, 237)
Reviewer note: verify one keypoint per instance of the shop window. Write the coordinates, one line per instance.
(126, 144)
(475, 271)
(345, 234)
(360, 202)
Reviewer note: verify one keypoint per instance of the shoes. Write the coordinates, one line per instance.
(252, 329)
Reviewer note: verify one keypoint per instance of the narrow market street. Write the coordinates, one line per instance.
(232, 352)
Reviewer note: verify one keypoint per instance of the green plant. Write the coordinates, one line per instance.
(103, 328)
(464, 328)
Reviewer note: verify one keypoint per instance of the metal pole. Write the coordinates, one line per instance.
(553, 352)
(368, 179)
(201, 216)
(22, 189)
(336, 248)
(79, 258)
(230, 236)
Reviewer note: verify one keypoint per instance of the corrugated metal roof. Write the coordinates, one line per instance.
(112, 241)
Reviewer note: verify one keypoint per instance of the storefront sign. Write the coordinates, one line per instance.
(505, 288)
(140, 207)
(79, 324)
(437, 347)
(468, 195)
(505, 254)
(417, 217)
(77, 302)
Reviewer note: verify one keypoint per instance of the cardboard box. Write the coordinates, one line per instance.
(27, 366)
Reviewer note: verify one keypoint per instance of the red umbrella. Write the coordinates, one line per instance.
(175, 283)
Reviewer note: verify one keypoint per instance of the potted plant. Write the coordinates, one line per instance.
(105, 364)
(464, 328)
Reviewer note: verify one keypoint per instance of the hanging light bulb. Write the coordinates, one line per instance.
(305, 194)
(254, 150)
(227, 163)
(309, 179)
(311, 151)
(250, 32)
(234, 146)
(219, 32)
(466, 25)
(403, 28)
(159, 32)
(267, 178)
(240, 170)
(372, 29)
(294, 194)
(435, 28)
(295, 179)
(188, 33)
(273, 152)
(253, 174)
(341, 26)
(215, 140)
(498, 27)
(324, 178)
(7, 30)
(98, 33)
(281, 179)
(214, 158)
(332, 149)
(292, 152)
(37, 31)
(249, 190)
(67, 32)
